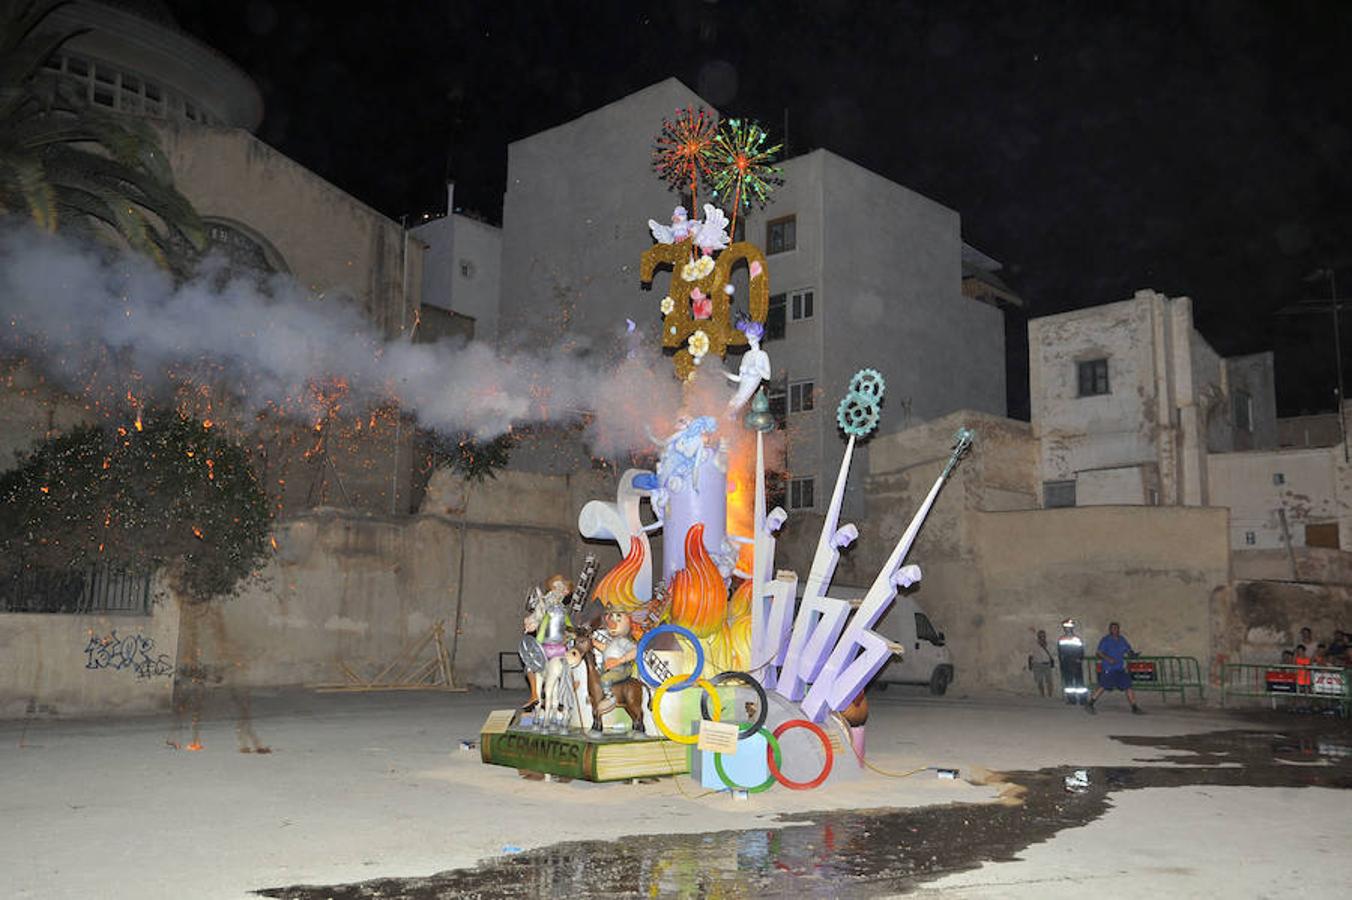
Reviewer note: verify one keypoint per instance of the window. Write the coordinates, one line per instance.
(925, 630)
(776, 490)
(1243, 408)
(774, 319)
(1250, 538)
(781, 235)
(1058, 494)
(466, 269)
(801, 305)
(800, 396)
(1093, 377)
(777, 393)
(1279, 478)
(800, 493)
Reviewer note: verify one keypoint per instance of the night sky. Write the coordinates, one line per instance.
(1194, 148)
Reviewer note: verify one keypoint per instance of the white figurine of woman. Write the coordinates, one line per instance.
(754, 369)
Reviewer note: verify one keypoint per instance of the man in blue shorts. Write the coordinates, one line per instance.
(1113, 651)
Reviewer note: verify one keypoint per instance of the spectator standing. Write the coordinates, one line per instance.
(1041, 663)
(1337, 652)
(1113, 650)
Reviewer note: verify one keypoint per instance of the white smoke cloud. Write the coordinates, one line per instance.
(86, 316)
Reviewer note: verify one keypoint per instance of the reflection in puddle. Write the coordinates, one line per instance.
(864, 853)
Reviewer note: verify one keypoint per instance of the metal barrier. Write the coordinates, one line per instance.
(1310, 685)
(97, 589)
(1163, 675)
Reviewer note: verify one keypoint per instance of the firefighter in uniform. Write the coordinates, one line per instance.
(1070, 654)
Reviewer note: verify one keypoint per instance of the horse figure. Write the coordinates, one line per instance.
(627, 694)
(556, 707)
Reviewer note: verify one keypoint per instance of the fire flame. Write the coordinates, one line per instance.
(742, 498)
(616, 589)
(699, 598)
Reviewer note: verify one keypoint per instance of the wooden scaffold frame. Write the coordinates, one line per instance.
(409, 672)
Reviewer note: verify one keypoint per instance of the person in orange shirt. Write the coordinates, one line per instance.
(1303, 679)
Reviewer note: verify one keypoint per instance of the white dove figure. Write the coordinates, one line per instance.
(680, 229)
(712, 233)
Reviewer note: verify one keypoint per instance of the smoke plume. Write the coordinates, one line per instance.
(95, 321)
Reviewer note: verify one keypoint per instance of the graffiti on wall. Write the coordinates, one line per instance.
(135, 652)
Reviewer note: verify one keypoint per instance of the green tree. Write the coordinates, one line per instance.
(171, 494)
(66, 165)
(473, 460)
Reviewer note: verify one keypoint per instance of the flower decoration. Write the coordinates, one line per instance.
(703, 266)
(701, 307)
(698, 344)
(667, 305)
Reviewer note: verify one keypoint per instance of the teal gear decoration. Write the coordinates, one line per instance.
(857, 415)
(868, 382)
(859, 410)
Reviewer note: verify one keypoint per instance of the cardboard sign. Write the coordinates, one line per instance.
(1141, 671)
(717, 737)
(1328, 682)
(1280, 681)
(498, 721)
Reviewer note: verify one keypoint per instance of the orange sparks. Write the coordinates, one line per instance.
(207, 423)
(139, 427)
(107, 462)
(197, 533)
(211, 470)
(45, 489)
(193, 747)
(273, 541)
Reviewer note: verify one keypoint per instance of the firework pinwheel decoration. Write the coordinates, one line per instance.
(681, 156)
(741, 170)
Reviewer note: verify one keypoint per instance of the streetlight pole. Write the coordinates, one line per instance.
(1338, 356)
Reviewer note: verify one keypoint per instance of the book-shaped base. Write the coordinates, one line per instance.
(607, 757)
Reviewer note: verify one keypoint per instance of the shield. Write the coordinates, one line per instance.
(532, 654)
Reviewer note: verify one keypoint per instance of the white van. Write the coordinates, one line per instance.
(925, 658)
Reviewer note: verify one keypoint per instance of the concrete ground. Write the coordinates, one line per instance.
(375, 785)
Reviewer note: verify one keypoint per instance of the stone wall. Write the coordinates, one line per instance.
(996, 569)
(1257, 620)
(1153, 569)
(55, 664)
(355, 591)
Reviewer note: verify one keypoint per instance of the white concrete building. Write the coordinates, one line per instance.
(1128, 401)
(462, 281)
(863, 272)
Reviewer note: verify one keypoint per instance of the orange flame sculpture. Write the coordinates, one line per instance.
(699, 598)
(616, 589)
(730, 647)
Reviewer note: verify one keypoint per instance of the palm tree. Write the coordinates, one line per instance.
(69, 166)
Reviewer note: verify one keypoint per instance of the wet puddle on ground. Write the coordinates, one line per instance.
(869, 852)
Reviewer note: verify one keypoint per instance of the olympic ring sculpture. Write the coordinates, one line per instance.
(773, 745)
(745, 729)
(657, 708)
(692, 678)
(826, 746)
